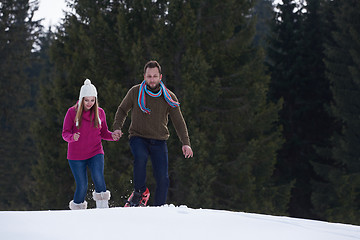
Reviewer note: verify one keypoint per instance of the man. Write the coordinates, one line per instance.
(151, 104)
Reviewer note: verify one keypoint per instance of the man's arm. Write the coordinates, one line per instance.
(123, 110)
(180, 126)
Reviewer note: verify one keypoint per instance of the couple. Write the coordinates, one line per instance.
(85, 126)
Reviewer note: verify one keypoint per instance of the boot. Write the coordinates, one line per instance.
(77, 206)
(102, 199)
(138, 199)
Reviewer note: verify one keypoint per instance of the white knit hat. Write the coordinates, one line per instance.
(87, 90)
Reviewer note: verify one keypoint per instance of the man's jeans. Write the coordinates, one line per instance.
(142, 148)
(79, 170)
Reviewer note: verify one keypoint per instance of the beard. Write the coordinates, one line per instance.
(153, 88)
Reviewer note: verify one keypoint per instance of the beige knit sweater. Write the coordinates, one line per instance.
(153, 125)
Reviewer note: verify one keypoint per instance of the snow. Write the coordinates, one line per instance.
(167, 222)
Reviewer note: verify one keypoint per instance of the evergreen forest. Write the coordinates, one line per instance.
(270, 93)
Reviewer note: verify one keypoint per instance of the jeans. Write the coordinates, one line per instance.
(141, 149)
(79, 170)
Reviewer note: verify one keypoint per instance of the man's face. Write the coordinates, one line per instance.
(152, 77)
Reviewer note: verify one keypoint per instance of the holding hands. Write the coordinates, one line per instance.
(116, 135)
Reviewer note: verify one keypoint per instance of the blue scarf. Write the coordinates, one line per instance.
(163, 89)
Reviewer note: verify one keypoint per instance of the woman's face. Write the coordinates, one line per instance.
(88, 103)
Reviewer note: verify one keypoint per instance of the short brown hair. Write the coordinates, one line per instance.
(152, 64)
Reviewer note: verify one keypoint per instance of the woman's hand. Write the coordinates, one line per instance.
(76, 136)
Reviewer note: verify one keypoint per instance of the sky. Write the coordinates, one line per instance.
(51, 11)
(164, 223)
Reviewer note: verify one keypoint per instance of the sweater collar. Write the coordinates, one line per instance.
(88, 115)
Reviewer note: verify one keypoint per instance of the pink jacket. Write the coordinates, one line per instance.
(89, 143)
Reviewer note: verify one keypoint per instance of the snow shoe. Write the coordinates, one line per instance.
(138, 199)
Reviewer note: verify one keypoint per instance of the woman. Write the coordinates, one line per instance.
(84, 128)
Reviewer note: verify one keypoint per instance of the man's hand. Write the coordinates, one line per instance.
(187, 151)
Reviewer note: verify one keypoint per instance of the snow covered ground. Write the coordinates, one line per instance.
(167, 222)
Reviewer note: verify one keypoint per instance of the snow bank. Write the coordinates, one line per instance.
(167, 222)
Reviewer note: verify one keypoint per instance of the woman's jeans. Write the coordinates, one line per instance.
(79, 170)
(142, 148)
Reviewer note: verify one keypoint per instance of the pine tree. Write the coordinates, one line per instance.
(297, 68)
(246, 119)
(317, 123)
(46, 171)
(284, 64)
(223, 83)
(18, 33)
(341, 178)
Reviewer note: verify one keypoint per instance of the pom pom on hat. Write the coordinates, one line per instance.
(87, 90)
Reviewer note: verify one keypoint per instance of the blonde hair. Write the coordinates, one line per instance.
(80, 109)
